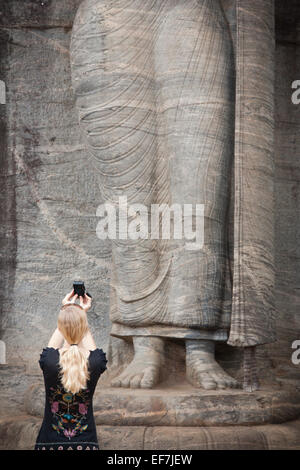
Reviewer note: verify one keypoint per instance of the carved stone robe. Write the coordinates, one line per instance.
(155, 85)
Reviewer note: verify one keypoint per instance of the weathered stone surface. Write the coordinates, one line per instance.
(40, 254)
(13, 383)
(49, 193)
(183, 405)
(2, 352)
(253, 310)
(287, 194)
(40, 14)
(237, 438)
(20, 433)
(48, 235)
(157, 117)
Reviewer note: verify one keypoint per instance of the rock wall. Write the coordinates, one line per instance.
(287, 190)
(50, 194)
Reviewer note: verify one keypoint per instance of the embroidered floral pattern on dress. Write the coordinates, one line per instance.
(69, 411)
(82, 446)
(68, 419)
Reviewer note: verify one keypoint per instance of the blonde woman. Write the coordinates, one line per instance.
(71, 366)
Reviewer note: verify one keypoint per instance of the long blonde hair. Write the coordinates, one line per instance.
(72, 323)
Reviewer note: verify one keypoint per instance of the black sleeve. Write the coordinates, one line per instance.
(43, 357)
(101, 360)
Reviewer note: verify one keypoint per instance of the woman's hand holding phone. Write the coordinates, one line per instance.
(70, 298)
(85, 302)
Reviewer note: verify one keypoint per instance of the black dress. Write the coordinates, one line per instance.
(68, 422)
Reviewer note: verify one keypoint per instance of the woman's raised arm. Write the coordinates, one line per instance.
(57, 340)
(87, 341)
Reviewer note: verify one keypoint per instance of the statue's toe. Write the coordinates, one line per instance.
(119, 380)
(250, 387)
(202, 380)
(234, 384)
(125, 381)
(116, 382)
(211, 378)
(221, 383)
(207, 381)
(136, 381)
(224, 381)
(150, 378)
(137, 377)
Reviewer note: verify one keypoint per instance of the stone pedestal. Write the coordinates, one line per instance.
(19, 433)
(178, 417)
(183, 405)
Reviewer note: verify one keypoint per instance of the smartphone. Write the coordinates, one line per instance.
(79, 289)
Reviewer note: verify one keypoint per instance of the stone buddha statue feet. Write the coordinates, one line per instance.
(144, 370)
(202, 370)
